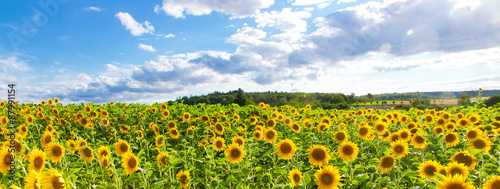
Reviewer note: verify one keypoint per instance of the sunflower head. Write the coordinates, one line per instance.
(183, 177)
(386, 163)
(86, 154)
(348, 151)
(37, 160)
(121, 147)
(162, 159)
(457, 168)
(55, 152)
(270, 135)
(235, 153)
(451, 139)
(493, 183)
(455, 181)
(218, 144)
(399, 148)
(328, 177)
(428, 169)
(465, 158)
(285, 148)
(318, 155)
(295, 177)
(130, 163)
(52, 179)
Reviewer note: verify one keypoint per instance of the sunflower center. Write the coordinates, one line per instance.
(399, 149)
(440, 122)
(327, 179)
(104, 153)
(296, 127)
(363, 131)
(394, 138)
(450, 138)
(48, 139)
(387, 162)
(57, 182)
(455, 171)
(218, 144)
(347, 150)
(19, 147)
(123, 147)
(430, 170)
(183, 179)
(164, 159)
(419, 140)
(235, 153)
(270, 134)
(24, 129)
(174, 132)
(319, 154)
(472, 134)
(7, 159)
(379, 127)
(404, 135)
(462, 158)
(239, 141)
(218, 127)
(340, 136)
(286, 148)
(132, 163)
(496, 184)
(57, 151)
(38, 162)
(105, 162)
(479, 144)
(87, 152)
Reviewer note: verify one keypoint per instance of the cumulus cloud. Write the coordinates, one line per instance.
(110, 67)
(169, 35)
(133, 26)
(13, 63)
(290, 22)
(180, 8)
(146, 47)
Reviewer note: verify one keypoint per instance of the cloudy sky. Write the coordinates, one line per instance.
(149, 51)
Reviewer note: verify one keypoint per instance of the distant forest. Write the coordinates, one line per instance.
(324, 100)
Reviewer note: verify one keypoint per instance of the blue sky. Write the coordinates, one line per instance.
(155, 51)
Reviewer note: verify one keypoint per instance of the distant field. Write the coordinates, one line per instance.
(434, 101)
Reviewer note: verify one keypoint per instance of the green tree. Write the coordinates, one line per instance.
(492, 100)
(464, 100)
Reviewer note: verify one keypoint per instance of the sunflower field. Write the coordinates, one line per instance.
(117, 145)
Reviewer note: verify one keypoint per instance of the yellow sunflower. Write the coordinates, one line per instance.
(418, 141)
(348, 151)
(6, 161)
(285, 148)
(238, 140)
(159, 140)
(37, 160)
(438, 130)
(219, 144)
(465, 158)
(428, 169)
(235, 153)
(121, 147)
(473, 118)
(257, 135)
(71, 146)
(271, 123)
(473, 134)
(481, 144)
(493, 183)
(86, 154)
(380, 127)
(52, 179)
(399, 148)
(183, 177)
(46, 138)
(457, 168)
(365, 132)
(130, 163)
(455, 181)
(104, 161)
(328, 177)
(55, 152)
(451, 139)
(318, 155)
(174, 133)
(80, 143)
(219, 129)
(393, 137)
(162, 159)
(386, 163)
(340, 137)
(404, 135)
(270, 135)
(295, 177)
(295, 127)
(33, 180)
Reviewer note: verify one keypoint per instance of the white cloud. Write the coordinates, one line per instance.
(169, 35)
(110, 67)
(180, 8)
(135, 27)
(247, 35)
(288, 21)
(147, 47)
(95, 9)
(308, 2)
(13, 63)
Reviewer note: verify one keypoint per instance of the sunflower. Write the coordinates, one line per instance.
(386, 163)
(380, 127)
(6, 160)
(287, 121)
(465, 158)
(328, 177)
(481, 144)
(23, 130)
(348, 151)
(270, 135)
(323, 127)
(29, 119)
(295, 177)
(171, 125)
(296, 127)
(440, 121)
(451, 139)
(52, 179)
(183, 177)
(104, 161)
(473, 134)
(418, 141)
(162, 159)
(428, 119)
(318, 155)
(203, 143)
(450, 126)
(102, 151)
(340, 137)
(493, 183)
(438, 130)
(257, 135)
(174, 133)
(37, 160)
(455, 182)
(130, 163)
(238, 140)
(399, 148)
(159, 140)
(365, 132)
(219, 144)
(235, 153)
(271, 123)
(86, 154)
(186, 116)
(286, 148)
(33, 180)
(121, 147)
(457, 168)
(55, 152)
(473, 118)
(46, 138)
(71, 146)
(219, 129)
(428, 169)
(80, 143)
(393, 137)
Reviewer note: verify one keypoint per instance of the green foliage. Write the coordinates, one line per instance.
(464, 100)
(492, 100)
